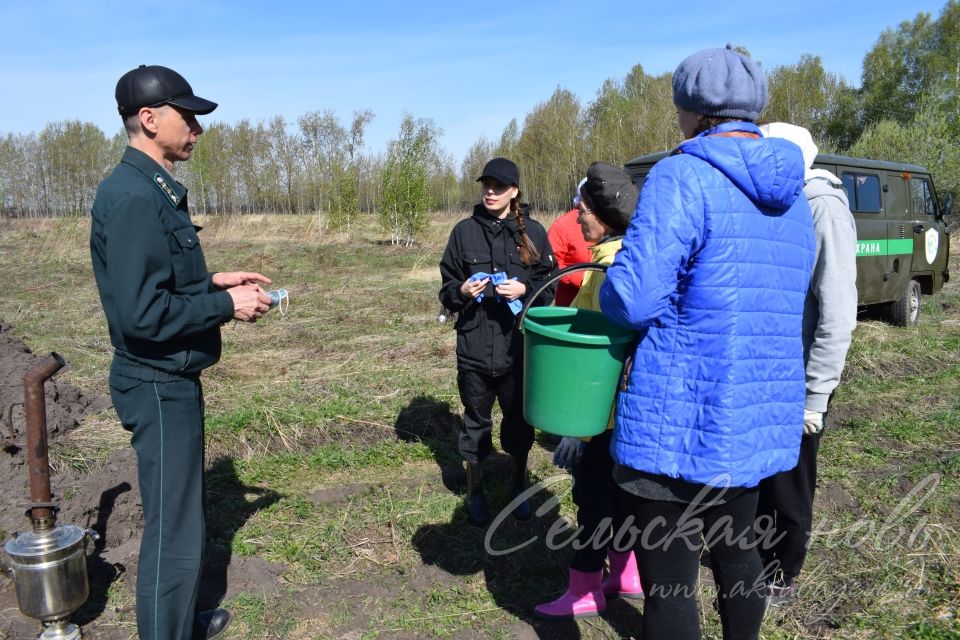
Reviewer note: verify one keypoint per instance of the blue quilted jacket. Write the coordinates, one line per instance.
(713, 273)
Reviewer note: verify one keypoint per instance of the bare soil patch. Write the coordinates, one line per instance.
(66, 406)
(87, 501)
(106, 499)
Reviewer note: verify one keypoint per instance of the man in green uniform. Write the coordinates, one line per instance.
(164, 311)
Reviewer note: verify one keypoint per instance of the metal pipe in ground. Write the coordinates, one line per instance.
(48, 564)
(42, 511)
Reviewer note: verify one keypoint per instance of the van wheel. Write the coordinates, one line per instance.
(905, 311)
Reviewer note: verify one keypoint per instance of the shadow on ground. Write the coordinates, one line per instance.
(523, 563)
(431, 422)
(101, 573)
(230, 503)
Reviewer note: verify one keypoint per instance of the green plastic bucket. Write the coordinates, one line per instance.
(572, 364)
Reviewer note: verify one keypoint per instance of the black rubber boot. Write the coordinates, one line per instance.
(518, 484)
(477, 511)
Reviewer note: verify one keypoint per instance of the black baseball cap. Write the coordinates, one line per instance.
(503, 170)
(153, 86)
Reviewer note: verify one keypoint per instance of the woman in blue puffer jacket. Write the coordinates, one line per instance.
(713, 274)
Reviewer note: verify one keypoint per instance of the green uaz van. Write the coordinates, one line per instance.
(902, 239)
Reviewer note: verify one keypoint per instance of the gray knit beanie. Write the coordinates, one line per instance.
(720, 83)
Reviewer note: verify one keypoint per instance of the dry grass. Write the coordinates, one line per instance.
(353, 392)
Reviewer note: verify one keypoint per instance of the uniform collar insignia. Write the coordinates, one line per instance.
(167, 189)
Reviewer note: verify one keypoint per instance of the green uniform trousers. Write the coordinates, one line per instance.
(166, 418)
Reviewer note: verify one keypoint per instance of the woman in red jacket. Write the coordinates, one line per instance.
(569, 248)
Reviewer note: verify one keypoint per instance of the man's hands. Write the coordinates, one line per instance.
(229, 279)
(812, 422)
(250, 301)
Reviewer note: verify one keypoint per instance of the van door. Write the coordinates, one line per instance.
(900, 235)
(931, 244)
(874, 263)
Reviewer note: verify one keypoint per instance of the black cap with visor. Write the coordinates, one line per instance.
(154, 86)
(503, 170)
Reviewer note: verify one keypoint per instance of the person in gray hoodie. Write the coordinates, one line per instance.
(829, 318)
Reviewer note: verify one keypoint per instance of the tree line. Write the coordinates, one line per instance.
(906, 110)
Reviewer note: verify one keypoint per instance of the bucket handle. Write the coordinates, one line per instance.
(583, 266)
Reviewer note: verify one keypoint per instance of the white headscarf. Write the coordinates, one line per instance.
(802, 138)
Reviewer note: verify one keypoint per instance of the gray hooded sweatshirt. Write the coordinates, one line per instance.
(830, 308)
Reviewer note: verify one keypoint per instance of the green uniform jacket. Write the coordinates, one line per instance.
(161, 306)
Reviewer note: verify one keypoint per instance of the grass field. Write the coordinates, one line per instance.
(331, 442)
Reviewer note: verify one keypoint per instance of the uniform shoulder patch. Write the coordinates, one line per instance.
(160, 182)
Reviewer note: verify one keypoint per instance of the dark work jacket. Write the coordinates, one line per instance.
(487, 337)
(162, 309)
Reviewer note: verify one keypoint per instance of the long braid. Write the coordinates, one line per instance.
(528, 251)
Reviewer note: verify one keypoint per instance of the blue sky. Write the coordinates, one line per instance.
(470, 68)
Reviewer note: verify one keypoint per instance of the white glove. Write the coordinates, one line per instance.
(568, 452)
(812, 422)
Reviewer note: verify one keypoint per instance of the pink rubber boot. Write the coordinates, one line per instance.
(583, 598)
(624, 578)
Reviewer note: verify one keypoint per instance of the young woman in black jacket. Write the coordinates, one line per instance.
(494, 259)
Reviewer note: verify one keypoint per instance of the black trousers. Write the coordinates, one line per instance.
(668, 556)
(786, 501)
(166, 418)
(597, 497)
(477, 392)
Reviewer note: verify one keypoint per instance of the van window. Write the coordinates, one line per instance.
(921, 198)
(863, 192)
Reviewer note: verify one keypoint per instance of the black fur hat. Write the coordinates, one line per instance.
(610, 194)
